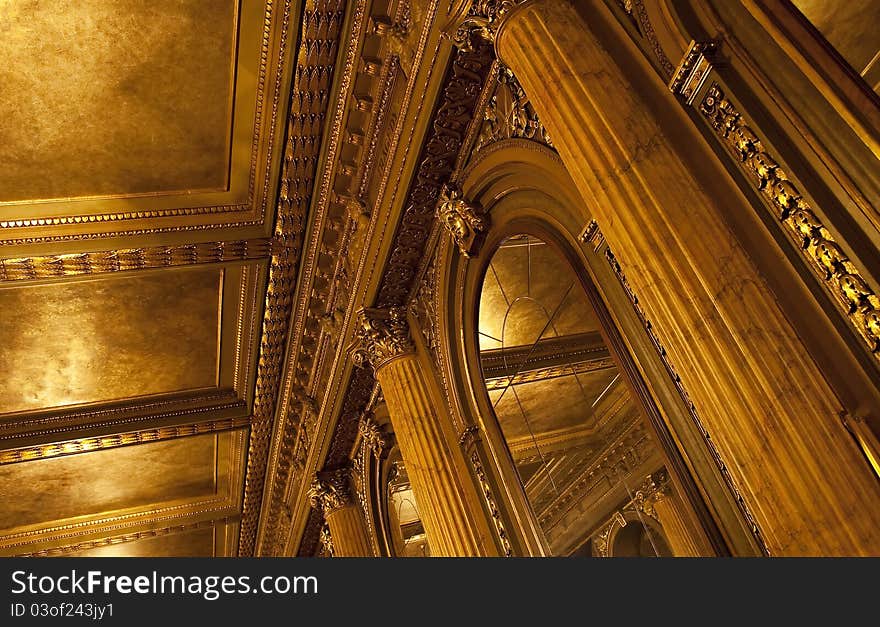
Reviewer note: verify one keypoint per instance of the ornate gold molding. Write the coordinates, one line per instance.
(482, 22)
(654, 488)
(509, 114)
(465, 221)
(464, 85)
(99, 262)
(839, 275)
(128, 537)
(692, 71)
(330, 490)
(636, 10)
(321, 27)
(373, 437)
(383, 335)
(65, 420)
(81, 445)
(491, 504)
(326, 540)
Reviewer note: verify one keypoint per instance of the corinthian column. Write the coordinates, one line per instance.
(661, 204)
(448, 503)
(331, 494)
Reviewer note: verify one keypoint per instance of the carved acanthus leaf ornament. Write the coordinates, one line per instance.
(383, 335)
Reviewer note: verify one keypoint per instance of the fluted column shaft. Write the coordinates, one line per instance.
(331, 492)
(454, 524)
(349, 532)
(774, 419)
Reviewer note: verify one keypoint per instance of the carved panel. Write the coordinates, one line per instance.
(838, 274)
(436, 163)
(321, 26)
(509, 114)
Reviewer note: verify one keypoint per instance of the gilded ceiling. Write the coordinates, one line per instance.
(139, 168)
(140, 117)
(110, 98)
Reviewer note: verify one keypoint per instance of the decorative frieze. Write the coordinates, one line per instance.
(106, 261)
(321, 26)
(839, 275)
(692, 72)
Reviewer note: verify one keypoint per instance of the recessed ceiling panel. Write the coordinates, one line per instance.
(110, 98)
(103, 481)
(110, 338)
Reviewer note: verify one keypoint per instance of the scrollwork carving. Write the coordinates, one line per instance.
(383, 334)
(326, 540)
(482, 22)
(465, 221)
(331, 490)
(373, 438)
(857, 301)
(509, 114)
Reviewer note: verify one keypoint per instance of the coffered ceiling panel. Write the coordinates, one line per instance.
(153, 81)
(138, 116)
(108, 338)
(125, 495)
(91, 483)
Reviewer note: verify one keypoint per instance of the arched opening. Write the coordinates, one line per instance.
(580, 444)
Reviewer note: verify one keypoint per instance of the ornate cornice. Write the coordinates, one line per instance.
(337, 231)
(100, 262)
(96, 443)
(636, 10)
(383, 335)
(849, 290)
(330, 490)
(128, 537)
(453, 116)
(321, 26)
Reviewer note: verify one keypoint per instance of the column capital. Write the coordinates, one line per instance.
(466, 221)
(383, 335)
(331, 490)
(372, 435)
